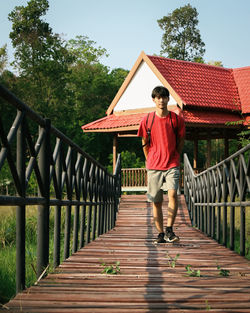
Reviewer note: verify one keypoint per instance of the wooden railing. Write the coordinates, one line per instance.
(134, 177)
(66, 178)
(216, 191)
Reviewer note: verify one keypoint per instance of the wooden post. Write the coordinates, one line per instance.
(114, 151)
(195, 154)
(226, 148)
(43, 209)
(208, 152)
(20, 210)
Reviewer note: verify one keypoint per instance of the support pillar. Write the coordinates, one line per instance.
(114, 151)
(195, 154)
(226, 148)
(209, 154)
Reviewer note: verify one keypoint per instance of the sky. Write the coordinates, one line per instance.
(127, 27)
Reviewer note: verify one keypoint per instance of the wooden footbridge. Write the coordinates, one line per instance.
(148, 280)
(101, 228)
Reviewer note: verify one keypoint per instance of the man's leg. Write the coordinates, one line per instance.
(158, 216)
(172, 211)
(172, 206)
(155, 195)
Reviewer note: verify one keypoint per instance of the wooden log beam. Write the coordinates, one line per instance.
(114, 151)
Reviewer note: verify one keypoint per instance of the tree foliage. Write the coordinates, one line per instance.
(92, 87)
(61, 80)
(41, 60)
(3, 58)
(129, 160)
(181, 38)
(85, 51)
(215, 63)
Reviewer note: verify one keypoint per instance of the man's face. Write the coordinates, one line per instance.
(161, 102)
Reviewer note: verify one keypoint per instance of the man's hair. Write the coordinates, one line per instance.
(160, 92)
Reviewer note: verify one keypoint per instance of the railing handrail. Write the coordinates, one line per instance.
(226, 184)
(235, 155)
(77, 179)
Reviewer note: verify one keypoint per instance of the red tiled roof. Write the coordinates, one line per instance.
(213, 118)
(242, 79)
(200, 85)
(197, 117)
(210, 94)
(114, 121)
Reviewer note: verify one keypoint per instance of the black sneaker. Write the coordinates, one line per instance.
(160, 238)
(170, 235)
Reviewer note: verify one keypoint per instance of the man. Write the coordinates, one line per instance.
(162, 135)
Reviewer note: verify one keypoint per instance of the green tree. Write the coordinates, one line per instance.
(3, 58)
(129, 160)
(9, 80)
(215, 63)
(7, 116)
(64, 81)
(92, 86)
(85, 51)
(42, 61)
(181, 39)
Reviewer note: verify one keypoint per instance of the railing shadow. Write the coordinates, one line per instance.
(155, 277)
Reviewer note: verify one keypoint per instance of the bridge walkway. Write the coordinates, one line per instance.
(148, 281)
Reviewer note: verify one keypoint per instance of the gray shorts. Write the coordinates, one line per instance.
(159, 181)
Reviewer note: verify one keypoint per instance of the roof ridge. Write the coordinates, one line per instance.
(195, 63)
(241, 68)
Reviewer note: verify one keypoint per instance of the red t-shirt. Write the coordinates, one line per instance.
(162, 153)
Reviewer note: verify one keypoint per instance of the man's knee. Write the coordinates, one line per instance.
(157, 205)
(172, 198)
(172, 193)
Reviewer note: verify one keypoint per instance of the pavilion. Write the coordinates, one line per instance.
(214, 101)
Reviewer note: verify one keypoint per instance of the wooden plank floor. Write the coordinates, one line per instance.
(146, 283)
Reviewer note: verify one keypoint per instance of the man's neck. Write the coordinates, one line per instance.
(162, 112)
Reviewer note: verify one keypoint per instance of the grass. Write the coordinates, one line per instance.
(7, 274)
(172, 260)
(8, 247)
(223, 272)
(8, 251)
(192, 273)
(110, 269)
(237, 229)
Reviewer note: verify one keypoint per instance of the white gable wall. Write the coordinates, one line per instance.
(138, 93)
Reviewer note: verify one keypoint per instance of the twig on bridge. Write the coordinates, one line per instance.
(41, 276)
(4, 306)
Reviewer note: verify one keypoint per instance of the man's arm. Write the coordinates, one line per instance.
(181, 134)
(180, 144)
(145, 147)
